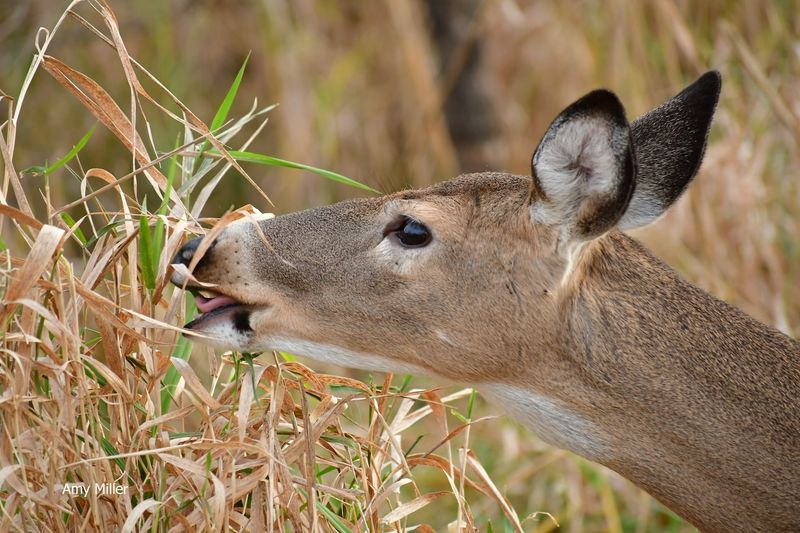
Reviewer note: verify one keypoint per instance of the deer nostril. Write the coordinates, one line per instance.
(185, 256)
(186, 253)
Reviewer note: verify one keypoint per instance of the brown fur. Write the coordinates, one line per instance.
(705, 400)
(701, 400)
(618, 357)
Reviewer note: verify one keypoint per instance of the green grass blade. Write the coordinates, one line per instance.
(111, 450)
(146, 253)
(288, 356)
(182, 351)
(170, 380)
(158, 229)
(224, 108)
(471, 404)
(71, 154)
(261, 159)
(332, 518)
(73, 225)
(108, 228)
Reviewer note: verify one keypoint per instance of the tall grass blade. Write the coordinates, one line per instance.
(74, 226)
(261, 159)
(72, 153)
(183, 350)
(146, 253)
(222, 112)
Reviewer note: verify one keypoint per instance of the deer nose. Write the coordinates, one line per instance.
(185, 256)
(186, 253)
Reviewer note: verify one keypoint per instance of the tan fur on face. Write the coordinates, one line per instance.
(396, 295)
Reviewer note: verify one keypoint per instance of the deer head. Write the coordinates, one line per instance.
(460, 280)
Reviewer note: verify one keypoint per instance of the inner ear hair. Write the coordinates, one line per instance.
(584, 168)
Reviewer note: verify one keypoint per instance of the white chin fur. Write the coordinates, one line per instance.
(223, 336)
(328, 353)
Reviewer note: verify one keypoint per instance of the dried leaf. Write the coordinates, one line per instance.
(47, 243)
(137, 512)
(194, 384)
(473, 462)
(412, 506)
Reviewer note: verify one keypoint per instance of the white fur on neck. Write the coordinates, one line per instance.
(329, 353)
(550, 420)
(573, 256)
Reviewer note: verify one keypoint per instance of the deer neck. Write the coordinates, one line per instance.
(679, 392)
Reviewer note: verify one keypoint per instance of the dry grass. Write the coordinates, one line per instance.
(95, 384)
(97, 387)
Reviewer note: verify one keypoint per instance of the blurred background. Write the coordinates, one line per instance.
(406, 93)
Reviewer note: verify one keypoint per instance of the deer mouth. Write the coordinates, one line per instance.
(215, 307)
(208, 301)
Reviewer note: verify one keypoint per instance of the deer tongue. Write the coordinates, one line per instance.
(209, 304)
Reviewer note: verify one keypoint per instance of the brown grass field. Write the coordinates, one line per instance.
(122, 130)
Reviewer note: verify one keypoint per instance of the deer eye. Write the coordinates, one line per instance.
(408, 232)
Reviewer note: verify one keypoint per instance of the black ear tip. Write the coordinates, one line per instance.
(602, 99)
(711, 77)
(712, 80)
(599, 101)
(705, 90)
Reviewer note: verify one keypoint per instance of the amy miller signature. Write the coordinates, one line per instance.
(100, 489)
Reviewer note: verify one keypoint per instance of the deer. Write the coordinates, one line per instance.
(528, 289)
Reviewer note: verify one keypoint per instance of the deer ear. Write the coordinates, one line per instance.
(670, 141)
(584, 168)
